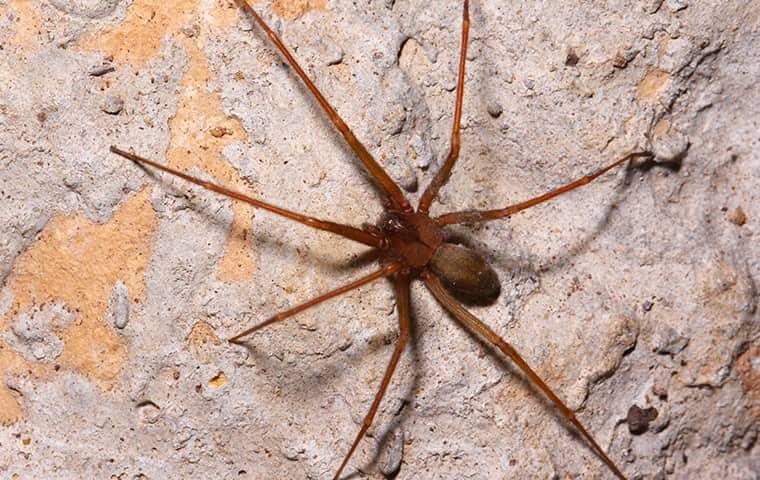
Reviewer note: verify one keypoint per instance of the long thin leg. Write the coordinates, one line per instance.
(376, 171)
(473, 323)
(474, 216)
(442, 176)
(402, 296)
(343, 230)
(383, 272)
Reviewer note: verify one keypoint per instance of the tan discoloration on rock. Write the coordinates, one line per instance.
(195, 139)
(738, 217)
(727, 295)
(148, 23)
(11, 364)
(748, 366)
(661, 128)
(202, 335)
(203, 338)
(27, 24)
(10, 411)
(290, 9)
(77, 263)
(652, 84)
(218, 381)
(194, 145)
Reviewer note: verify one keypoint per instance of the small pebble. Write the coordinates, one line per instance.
(676, 5)
(495, 109)
(101, 70)
(619, 61)
(572, 58)
(420, 153)
(149, 412)
(120, 305)
(669, 342)
(218, 132)
(638, 419)
(391, 458)
(112, 105)
(670, 145)
(334, 55)
(738, 217)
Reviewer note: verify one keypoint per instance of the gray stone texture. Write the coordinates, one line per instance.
(637, 290)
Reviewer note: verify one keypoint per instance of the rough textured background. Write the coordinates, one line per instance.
(117, 287)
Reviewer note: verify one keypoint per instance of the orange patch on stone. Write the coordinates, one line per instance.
(10, 411)
(199, 129)
(202, 334)
(290, 9)
(749, 373)
(11, 363)
(652, 84)
(661, 128)
(196, 144)
(219, 380)
(148, 22)
(77, 263)
(202, 337)
(27, 25)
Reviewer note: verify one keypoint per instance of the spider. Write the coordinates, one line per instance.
(410, 244)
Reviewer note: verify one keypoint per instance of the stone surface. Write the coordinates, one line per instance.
(118, 287)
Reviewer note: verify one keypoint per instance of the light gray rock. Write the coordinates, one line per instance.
(638, 289)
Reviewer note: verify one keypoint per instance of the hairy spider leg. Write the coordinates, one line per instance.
(402, 281)
(377, 172)
(473, 324)
(345, 231)
(386, 271)
(444, 173)
(474, 216)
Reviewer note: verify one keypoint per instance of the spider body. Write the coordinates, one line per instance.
(411, 244)
(466, 274)
(417, 242)
(411, 238)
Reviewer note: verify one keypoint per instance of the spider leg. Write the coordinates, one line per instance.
(346, 231)
(376, 171)
(386, 271)
(474, 216)
(474, 324)
(402, 294)
(443, 174)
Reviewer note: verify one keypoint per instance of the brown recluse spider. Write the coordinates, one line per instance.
(410, 243)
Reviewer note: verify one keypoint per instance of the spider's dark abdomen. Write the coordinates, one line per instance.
(465, 273)
(412, 237)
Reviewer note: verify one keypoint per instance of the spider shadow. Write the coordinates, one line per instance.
(485, 73)
(618, 197)
(262, 239)
(557, 263)
(402, 415)
(503, 362)
(312, 104)
(536, 267)
(316, 381)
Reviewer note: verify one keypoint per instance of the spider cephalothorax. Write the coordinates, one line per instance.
(411, 244)
(409, 237)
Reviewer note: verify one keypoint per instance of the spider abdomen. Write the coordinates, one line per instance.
(465, 273)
